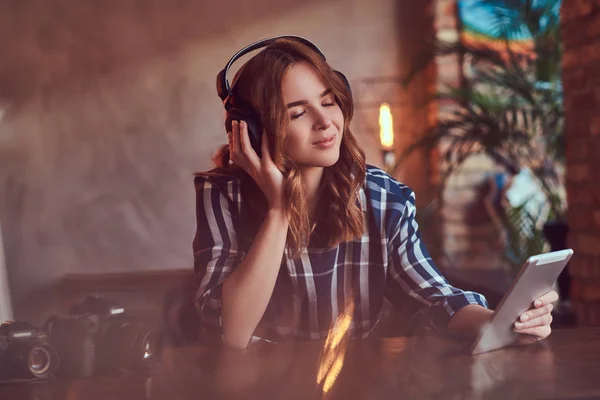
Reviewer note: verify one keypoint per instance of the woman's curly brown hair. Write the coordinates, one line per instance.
(339, 217)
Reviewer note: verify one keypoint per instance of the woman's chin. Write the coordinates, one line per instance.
(328, 163)
(329, 160)
(321, 162)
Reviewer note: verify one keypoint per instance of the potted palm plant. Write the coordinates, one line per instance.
(511, 109)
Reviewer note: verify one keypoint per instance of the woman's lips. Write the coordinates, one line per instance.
(326, 142)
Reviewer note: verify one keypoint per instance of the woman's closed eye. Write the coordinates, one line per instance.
(328, 101)
(298, 115)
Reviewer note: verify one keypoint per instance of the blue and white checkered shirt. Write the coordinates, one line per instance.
(387, 262)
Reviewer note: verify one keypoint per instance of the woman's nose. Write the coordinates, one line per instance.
(323, 121)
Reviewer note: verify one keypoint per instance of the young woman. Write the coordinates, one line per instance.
(289, 241)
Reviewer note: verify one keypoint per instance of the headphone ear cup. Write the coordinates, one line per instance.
(253, 122)
(222, 86)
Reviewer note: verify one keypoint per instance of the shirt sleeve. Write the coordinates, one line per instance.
(215, 246)
(412, 270)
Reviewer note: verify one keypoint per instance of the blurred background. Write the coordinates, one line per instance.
(487, 109)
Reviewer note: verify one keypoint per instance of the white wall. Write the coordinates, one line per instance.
(113, 108)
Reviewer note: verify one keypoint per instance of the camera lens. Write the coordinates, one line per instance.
(42, 361)
(145, 349)
(39, 361)
(134, 346)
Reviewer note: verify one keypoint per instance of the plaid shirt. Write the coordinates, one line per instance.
(387, 262)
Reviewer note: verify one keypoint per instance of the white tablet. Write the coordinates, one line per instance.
(535, 279)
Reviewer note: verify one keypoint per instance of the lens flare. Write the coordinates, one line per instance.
(334, 350)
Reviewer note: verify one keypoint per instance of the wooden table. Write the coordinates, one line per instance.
(567, 365)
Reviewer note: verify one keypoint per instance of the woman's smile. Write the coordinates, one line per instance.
(326, 142)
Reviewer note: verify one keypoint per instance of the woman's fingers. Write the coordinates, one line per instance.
(534, 324)
(246, 146)
(544, 319)
(241, 151)
(540, 332)
(235, 138)
(533, 313)
(243, 145)
(545, 299)
(234, 144)
(264, 172)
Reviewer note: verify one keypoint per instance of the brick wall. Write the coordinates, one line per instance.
(581, 65)
(413, 118)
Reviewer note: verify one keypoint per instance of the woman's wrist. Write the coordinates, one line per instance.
(278, 213)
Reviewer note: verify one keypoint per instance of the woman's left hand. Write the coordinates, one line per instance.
(535, 322)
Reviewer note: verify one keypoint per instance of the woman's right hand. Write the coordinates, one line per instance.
(263, 170)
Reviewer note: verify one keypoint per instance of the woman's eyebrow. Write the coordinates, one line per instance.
(301, 102)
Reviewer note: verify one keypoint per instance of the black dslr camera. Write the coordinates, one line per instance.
(98, 336)
(24, 353)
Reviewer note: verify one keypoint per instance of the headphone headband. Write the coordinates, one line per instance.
(223, 87)
(242, 112)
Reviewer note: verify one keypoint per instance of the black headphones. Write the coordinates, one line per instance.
(239, 112)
